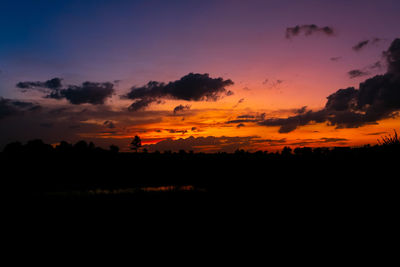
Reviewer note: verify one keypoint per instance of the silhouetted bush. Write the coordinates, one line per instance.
(390, 140)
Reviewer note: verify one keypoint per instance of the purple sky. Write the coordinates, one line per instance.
(134, 42)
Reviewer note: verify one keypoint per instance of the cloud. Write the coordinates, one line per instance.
(88, 92)
(10, 107)
(307, 30)
(376, 65)
(360, 45)
(240, 125)
(365, 71)
(140, 104)
(376, 133)
(238, 103)
(275, 84)
(290, 124)
(301, 110)
(335, 58)
(393, 57)
(247, 118)
(172, 131)
(192, 87)
(109, 124)
(376, 98)
(181, 108)
(357, 73)
(55, 83)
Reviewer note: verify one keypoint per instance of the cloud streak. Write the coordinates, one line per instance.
(55, 83)
(357, 73)
(181, 108)
(87, 93)
(308, 30)
(360, 45)
(10, 107)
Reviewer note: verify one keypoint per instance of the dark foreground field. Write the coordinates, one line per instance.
(342, 199)
(304, 180)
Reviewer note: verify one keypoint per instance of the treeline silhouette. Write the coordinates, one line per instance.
(82, 171)
(388, 146)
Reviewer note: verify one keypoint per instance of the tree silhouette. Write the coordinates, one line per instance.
(114, 149)
(136, 143)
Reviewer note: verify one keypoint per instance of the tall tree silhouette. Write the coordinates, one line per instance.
(136, 143)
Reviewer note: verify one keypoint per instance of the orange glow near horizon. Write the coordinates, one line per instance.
(210, 119)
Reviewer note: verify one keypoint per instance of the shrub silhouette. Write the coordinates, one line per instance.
(389, 140)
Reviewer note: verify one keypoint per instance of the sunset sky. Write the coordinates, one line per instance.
(225, 74)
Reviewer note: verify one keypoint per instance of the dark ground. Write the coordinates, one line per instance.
(332, 202)
(317, 181)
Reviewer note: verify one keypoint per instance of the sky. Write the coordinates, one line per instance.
(198, 75)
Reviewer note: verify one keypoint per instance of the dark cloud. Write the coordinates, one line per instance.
(301, 110)
(240, 125)
(140, 104)
(192, 87)
(242, 120)
(342, 99)
(376, 133)
(176, 131)
(365, 71)
(109, 124)
(88, 92)
(357, 73)
(376, 98)
(392, 56)
(290, 124)
(10, 107)
(55, 83)
(335, 58)
(360, 45)
(180, 108)
(247, 118)
(307, 30)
